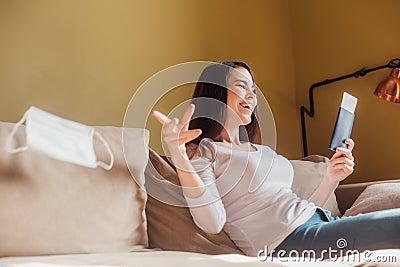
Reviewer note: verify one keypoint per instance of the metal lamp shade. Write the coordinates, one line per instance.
(389, 88)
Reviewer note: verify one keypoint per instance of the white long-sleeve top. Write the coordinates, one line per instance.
(248, 194)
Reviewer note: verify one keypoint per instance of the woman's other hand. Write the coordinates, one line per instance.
(341, 165)
(176, 132)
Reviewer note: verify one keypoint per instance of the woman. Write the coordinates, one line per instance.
(243, 187)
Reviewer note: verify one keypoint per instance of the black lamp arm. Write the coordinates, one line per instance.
(394, 63)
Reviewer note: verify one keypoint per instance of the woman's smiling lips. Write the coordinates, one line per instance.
(246, 106)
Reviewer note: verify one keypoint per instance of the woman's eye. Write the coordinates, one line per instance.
(242, 86)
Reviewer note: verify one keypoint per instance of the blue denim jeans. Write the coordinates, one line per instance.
(369, 231)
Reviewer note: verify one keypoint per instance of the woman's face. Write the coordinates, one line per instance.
(241, 98)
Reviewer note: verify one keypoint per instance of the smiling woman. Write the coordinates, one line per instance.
(246, 189)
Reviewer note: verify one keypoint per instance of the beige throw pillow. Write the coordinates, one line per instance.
(307, 177)
(376, 197)
(49, 206)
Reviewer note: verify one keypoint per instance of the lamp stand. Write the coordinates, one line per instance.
(394, 63)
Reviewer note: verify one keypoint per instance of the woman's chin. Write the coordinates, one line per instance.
(246, 121)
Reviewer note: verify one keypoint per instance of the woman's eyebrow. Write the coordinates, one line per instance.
(245, 82)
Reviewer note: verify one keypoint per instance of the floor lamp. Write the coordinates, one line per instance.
(388, 89)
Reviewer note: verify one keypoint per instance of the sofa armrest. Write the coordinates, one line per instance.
(346, 194)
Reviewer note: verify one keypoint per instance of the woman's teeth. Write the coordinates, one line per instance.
(246, 105)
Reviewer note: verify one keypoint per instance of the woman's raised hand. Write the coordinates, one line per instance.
(176, 132)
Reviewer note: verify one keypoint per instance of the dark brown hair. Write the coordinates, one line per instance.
(210, 118)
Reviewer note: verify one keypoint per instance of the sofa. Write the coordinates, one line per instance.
(55, 213)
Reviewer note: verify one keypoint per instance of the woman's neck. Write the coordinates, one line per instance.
(230, 136)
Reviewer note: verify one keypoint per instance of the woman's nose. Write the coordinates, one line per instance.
(250, 94)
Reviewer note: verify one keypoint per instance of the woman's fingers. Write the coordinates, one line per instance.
(175, 130)
(350, 143)
(184, 136)
(346, 168)
(342, 164)
(184, 123)
(188, 136)
(160, 117)
(342, 160)
(346, 152)
(168, 124)
(340, 151)
(338, 154)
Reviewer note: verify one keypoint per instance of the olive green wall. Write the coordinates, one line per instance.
(335, 38)
(83, 60)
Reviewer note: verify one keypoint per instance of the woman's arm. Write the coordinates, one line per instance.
(340, 166)
(210, 216)
(323, 192)
(207, 210)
